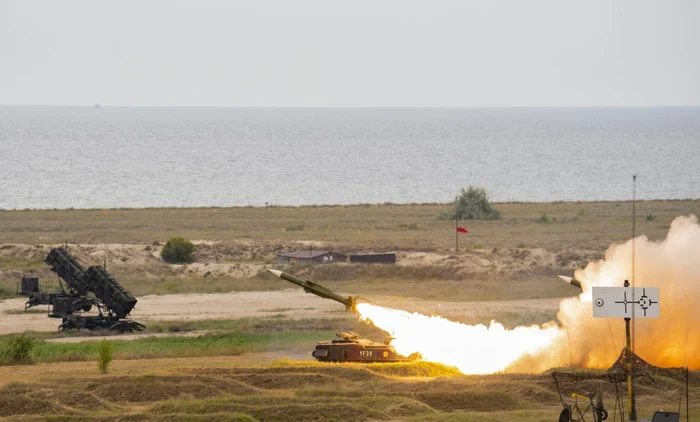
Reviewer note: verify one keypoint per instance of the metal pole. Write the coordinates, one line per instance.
(630, 339)
(687, 406)
(456, 230)
(630, 387)
(634, 218)
(630, 383)
(634, 234)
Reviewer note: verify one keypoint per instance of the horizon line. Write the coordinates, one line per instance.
(363, 106)
(358, 204)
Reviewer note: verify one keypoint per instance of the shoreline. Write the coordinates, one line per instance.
(361, 204)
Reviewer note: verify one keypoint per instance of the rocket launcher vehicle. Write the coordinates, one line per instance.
(350, 347)
(319, 290)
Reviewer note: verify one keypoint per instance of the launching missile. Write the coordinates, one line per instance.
(318, 290)
(571, 281)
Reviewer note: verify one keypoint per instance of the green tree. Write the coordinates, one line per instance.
(471, 204)
(178, 250)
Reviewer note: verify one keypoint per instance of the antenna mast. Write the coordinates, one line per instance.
(630, 339)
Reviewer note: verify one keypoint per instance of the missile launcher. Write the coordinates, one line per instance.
(350, 347)
(83, 290)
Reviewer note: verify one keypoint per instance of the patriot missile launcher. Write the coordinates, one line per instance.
(317, 289)
(571, 281)
(83, 289)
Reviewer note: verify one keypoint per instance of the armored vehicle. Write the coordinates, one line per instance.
(352, 348)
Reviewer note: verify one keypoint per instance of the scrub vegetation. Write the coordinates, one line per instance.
(471, 204)
(178, 251)
(255, 388)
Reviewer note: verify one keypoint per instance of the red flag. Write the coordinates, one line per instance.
(461, 230)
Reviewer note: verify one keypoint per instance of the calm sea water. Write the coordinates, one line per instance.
(84, 157)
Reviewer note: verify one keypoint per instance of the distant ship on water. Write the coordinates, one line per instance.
(97, 106)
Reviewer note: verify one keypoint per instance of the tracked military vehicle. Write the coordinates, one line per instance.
(350, 347)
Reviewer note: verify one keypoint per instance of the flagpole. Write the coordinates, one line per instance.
(456, 231)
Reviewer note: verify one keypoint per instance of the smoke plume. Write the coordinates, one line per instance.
(673, 340)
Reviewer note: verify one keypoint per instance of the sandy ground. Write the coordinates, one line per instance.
(244, 259)
(292, 303)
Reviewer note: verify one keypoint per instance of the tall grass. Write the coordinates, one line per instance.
(17, 350)
(544, 219)
(106, 352)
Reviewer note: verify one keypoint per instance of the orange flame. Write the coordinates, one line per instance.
(473, 349)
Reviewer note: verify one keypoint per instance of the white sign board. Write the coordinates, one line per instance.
(626, 302)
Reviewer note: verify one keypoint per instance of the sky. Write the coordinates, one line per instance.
(379, 53)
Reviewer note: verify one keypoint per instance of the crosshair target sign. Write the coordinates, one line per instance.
(626, 302)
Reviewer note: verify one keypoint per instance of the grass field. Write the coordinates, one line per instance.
(217, 338)
(253, 387)
(587, 225)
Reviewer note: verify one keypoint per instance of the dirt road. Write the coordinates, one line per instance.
(292, 303)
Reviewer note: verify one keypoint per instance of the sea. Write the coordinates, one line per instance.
(137, 157)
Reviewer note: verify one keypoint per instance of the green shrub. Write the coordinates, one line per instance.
(106, 351)
(19, 348)
(544, 219)
(178, 250)
(6, 292)
(471, 204)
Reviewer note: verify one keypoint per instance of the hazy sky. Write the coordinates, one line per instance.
(350, 53)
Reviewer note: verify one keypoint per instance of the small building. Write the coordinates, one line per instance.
(311, 257)
(374, 258)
